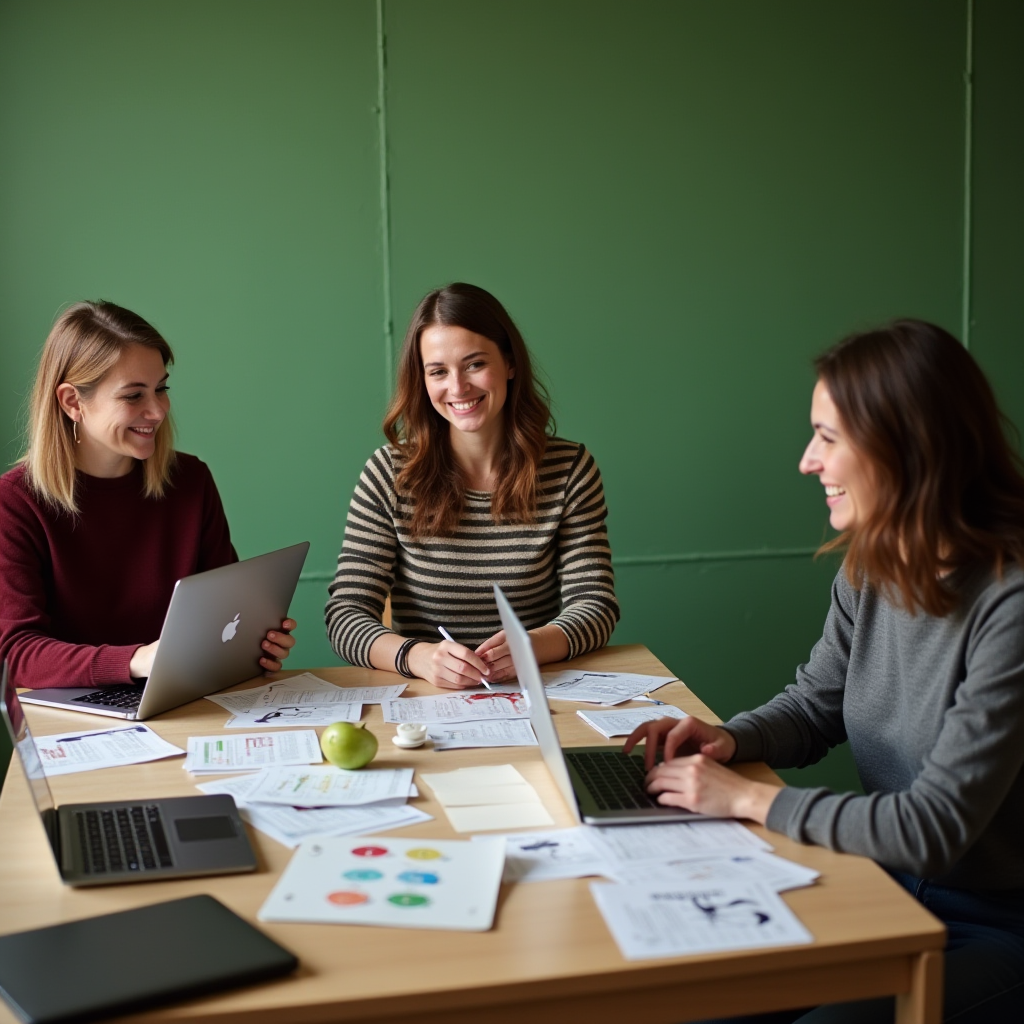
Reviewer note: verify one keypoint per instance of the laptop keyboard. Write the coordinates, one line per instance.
(123, 839)
(615, 781)
(112, 696)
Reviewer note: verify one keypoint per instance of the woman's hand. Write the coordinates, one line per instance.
(681, 736)
(498, 656)
(699, 783)
(448, 665)
(278, 645)
(142, 661)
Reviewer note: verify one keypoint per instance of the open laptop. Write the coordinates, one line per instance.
(210, 639)
(129, 840)
(600, 785)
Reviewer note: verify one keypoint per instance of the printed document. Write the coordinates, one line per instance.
(211, 755)
(290, 825)
(285, 716)
(543, 856)
(244, 700)
(70, 752)
(600, 687)
(658, 919)
(328, 786)
(668, 841)
(455, 708)
(622, 723)
(493, 733)
(704, 869)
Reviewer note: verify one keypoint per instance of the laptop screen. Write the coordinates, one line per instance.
(25, 746)
(528, 674)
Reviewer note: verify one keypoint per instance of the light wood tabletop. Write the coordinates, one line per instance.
(549, 956)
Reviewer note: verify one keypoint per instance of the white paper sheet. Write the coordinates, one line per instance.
(210, 755)
(290, 825)
(69, 752)
(777, 873)
(499, 817)
(455, 708)
(450, 786)
(399, 883)
(328, 786)
(544, 856)
(600, 687)
(669, 841)
(493, 733)
(288, 716)
(244, 700)
(622, 723)
(292, 694)
(657, 919)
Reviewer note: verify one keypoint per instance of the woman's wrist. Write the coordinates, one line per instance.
(755, 802)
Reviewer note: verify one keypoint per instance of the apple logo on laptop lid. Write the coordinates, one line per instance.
(228, 633)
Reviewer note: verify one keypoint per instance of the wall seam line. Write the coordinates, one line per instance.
(671, 558)
(965, 310)
(385, 202)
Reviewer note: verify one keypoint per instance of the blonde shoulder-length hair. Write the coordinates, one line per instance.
(84, 345)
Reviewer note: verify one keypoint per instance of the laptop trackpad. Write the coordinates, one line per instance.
(192, 830)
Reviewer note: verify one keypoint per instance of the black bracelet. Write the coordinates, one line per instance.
(402, 657)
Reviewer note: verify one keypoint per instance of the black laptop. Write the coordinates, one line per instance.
(129, 840)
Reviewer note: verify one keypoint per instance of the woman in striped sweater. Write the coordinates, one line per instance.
(471, 490)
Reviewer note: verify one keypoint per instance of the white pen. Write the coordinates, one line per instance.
(444, 632)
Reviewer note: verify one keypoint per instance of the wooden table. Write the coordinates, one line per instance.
(549, 957)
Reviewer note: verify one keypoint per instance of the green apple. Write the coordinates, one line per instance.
(348, 746)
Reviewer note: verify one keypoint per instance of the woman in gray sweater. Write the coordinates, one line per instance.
(920, 667)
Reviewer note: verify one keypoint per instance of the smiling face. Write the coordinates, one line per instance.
(466, 377)
(118, 422)
(843, 471)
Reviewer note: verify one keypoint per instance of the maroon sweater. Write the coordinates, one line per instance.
(80, 594)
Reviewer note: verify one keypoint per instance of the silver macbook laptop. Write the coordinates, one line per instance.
(210, 639)
(600, 785)
(129, 841)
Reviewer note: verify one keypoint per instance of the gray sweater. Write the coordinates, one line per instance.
(934, 712)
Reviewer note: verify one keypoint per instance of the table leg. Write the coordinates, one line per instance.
(923, 1003)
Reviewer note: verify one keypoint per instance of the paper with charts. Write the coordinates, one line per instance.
(491, 733)
(543, 856)
(70, 752)
(459, 707)
(290, 825)
(657, 919)
(211, 755)
(327, 786)
(398, 883)
(288, 716)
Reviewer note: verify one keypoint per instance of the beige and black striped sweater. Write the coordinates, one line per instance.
(557, 569)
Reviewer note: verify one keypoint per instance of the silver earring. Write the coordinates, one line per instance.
(74, 430)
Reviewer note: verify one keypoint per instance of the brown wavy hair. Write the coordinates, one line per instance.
(430, 472)
(84, 345)
(949, 488)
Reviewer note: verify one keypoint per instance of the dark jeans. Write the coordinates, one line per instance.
(984, 971)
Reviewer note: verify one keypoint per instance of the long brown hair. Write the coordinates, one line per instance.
(949, 489)
(430, 472)
(83, 346)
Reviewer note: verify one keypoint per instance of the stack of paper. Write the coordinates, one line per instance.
(455, 708)
(488, 798)
(304, 699)
(214, 755)
(289, 825)
(70, 752)
(658, 919)
(622, 723)
(600, 687)
(328, 786)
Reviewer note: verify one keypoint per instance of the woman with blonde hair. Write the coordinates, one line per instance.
(920, 667)
(470, 490)
(101, 517)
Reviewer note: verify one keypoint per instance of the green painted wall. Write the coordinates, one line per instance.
(681, 203)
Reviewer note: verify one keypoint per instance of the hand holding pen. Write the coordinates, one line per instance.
(449, 664)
